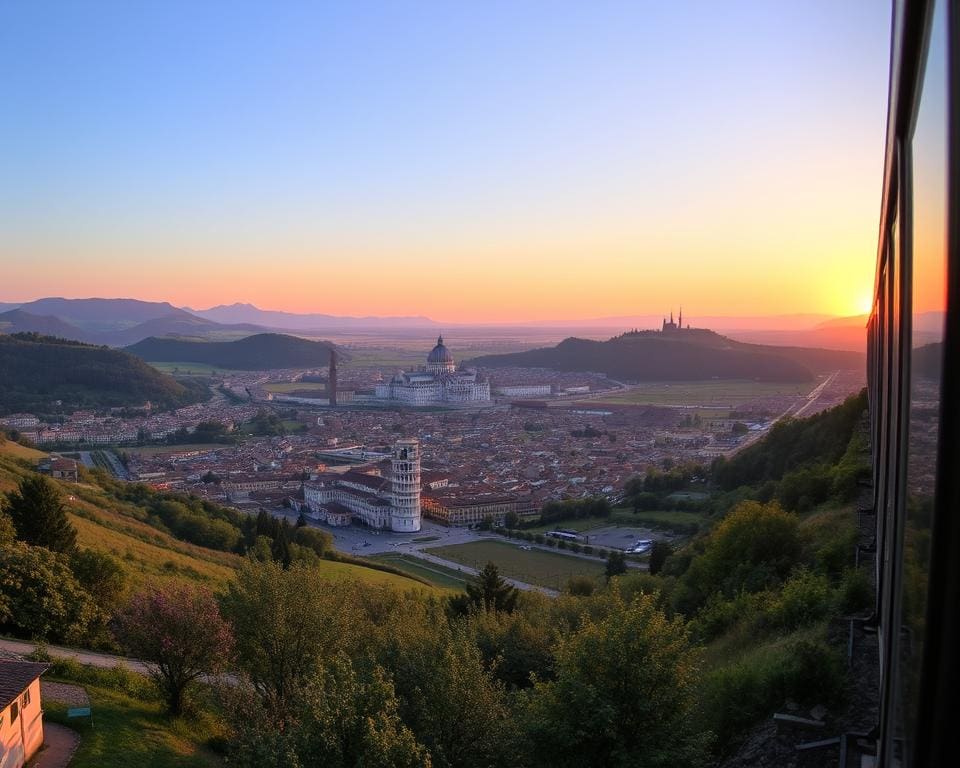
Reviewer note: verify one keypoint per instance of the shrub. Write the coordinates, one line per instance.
(581, 586)
(804, 599)
(736, 696)
(753, 548)
(855, 593)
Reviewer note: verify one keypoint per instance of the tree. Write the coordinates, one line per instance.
(286, 623)
(616, 564)
(40, 597)
(301, 520)
(624, 696)
(340, 718)
(281, 545)
(447, 696)
(8, 534)
(179, 632)
(490, 591)
(101, 575)
(754, 547)
(658, 555)
(38, 515)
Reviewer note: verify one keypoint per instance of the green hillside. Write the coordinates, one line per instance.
(37, 371)
(689, 355)
(254, 353)
(147, 547)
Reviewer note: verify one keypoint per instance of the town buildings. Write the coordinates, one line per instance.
(391, 502)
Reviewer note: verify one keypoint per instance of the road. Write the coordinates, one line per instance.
(89, 658)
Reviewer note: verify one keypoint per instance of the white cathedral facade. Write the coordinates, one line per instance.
(439, 382)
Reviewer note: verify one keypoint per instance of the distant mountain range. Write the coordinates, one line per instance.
(248, 313)
(687, 355)
(263, 351)
(121, 322)
(112, 322)
(38, 371)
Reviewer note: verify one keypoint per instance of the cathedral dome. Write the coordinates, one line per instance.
(440, 355)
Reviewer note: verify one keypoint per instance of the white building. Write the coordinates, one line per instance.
(521, 391)
(391, 503)
(439, 382)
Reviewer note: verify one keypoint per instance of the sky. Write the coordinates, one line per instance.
(467, 161)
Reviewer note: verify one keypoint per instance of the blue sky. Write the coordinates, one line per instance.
(456, 138)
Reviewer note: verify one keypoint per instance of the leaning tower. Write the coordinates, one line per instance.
(405, 486)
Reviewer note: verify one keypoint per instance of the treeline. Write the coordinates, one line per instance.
(802, 462)
(205, 432)
(656, 488)
(214, 526)
(37, 371)
(575, 509)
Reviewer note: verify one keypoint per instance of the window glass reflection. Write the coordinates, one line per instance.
(929, 147)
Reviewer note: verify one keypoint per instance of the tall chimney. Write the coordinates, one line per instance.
(332, 378)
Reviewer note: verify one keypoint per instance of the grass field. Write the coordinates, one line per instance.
(130, 732)
(536, 566)
(438, 575)
(17, 451)
(285, 387)
(730, 393)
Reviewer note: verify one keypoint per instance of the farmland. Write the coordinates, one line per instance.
(535, 566)
(703, 393)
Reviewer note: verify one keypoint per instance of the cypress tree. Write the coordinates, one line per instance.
(38, 515)
(490, 591)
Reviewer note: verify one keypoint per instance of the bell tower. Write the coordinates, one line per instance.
(405, 485)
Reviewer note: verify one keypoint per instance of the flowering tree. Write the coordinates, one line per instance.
(178, 630)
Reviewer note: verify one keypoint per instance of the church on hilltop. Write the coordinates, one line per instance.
(440, 382)
(670, 327)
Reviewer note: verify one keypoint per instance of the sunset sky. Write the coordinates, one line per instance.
(466, 161)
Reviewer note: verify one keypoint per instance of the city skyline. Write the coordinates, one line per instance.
(533, 163)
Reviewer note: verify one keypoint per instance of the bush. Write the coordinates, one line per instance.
(581, 586)
(804, 599)
(736, 696)
(836, 555)
(855, 593)
(719, 614)
(753, 548)
(118, 678)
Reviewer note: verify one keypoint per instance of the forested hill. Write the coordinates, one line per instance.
(254, 353)
(37, 371)
(688, 355)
